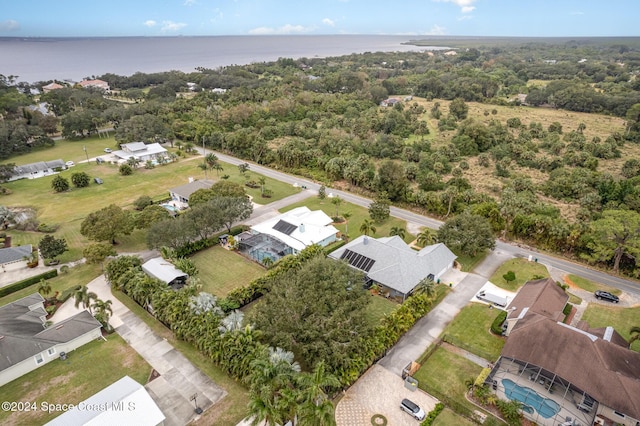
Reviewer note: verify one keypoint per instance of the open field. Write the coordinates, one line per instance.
(222, 270)
(524, 270)
(470, 330)
(233, 407)
(359, 214)
(86, 371)
(621, 319)
(68, 209)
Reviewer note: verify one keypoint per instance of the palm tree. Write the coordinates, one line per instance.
(84, 296)
(346, 216)
(204, 167)
(426, 286)
(426, 237)
(336, 201)
(635, 335)
(314, 384)
(218, 168)
(267, 262)
(232, 322)
(262, 180)
(367, 227)
(103, 312)
(397, 231)
(44, 288)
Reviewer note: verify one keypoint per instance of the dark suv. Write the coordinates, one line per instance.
(605, 295)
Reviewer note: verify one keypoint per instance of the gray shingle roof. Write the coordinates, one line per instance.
(38, 167)
(397, 265)
(187, 189)
(23, 333)
(12, 254)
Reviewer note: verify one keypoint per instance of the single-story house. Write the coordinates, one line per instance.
(289, 233)
(165, 271)
(25, 342)
(542, 296)
(37, 170)
(564, 374)
(98, 84)
(394, 266)
(51, 86)
(12, 258)
(140, 151)
(389, 102)
(125, 402)
(180, 194)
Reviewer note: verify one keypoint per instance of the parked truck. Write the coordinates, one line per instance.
(493, 298)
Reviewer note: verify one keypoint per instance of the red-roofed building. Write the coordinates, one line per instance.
(99, 84)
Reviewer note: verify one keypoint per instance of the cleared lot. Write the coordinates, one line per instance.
(379, 391)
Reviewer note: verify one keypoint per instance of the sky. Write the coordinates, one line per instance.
(516, 18)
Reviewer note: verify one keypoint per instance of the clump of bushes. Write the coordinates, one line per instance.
(496, 325)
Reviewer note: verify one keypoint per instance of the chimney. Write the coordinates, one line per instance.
(301, 227)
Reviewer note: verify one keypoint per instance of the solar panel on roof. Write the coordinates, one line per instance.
(284, 227)
(357, 260)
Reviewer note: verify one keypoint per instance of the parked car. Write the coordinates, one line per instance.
(98, 181)
(107, 150)
(605, 295)
(413, 409)
(70, 164)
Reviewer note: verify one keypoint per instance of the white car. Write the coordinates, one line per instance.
(70, 164)
(413, 409)
(107, 150)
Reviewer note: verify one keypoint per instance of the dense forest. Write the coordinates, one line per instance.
(540, 138)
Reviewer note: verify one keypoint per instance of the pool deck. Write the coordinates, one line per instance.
(567, 406)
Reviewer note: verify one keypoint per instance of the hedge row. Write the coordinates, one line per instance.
(433, 414)
(27, 282)
(496, 325)
(195, 246)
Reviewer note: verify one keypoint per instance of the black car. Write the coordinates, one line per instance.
(605, 295)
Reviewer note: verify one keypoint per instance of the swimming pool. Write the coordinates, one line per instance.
(169, 207)
(530, 399)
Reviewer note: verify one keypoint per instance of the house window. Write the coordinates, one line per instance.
(51, 351)
(618, 414)
(39, 359)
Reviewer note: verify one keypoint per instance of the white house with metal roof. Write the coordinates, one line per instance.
(165, 271)
(37, 170)
(25, 343)
(289, 233)
(390, 263)
(125, 402)
(140, 151)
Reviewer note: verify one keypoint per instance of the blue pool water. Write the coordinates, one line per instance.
(169, 207)
(544, 406)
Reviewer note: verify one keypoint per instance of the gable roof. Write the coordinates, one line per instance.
(138, 149)
(542, 296)
(13, 254)
(396, 265)
(103, 408)
(602, 368)
(298, 228)
(187, 189)
(162, 270)
(23, 333)
(39, 166)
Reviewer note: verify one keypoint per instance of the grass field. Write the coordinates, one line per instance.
(524, 270)
(222, 270)
(591, 286)
(86, 371)
(228, 412)
(446, 373)
(448, 417)
(621, 319)
(358, 215)
(69, 209)
(470, 330)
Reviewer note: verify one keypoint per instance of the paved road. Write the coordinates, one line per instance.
(507, 249)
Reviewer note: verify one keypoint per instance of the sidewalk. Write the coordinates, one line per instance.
(179, 378)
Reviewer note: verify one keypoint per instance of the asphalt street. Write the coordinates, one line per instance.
(503, 249)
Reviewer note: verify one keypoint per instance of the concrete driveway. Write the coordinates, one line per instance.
(379, 391)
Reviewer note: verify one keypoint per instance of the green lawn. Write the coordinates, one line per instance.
(448, 417)
(524, 270)
(378, 308)
(78, 275)
(68, 209)
(445, 373)
(621, 319)
(86, 371)
(233, 408)
(222, 270)
(358, 215)
(470, 330)
(468, 263)
(591, 286)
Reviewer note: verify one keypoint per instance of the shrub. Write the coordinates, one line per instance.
(27, 282)
(47, 229)
(567, 309)
(125, 170)
(496, 325)
(432, 414)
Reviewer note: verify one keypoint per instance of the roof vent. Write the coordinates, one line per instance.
(365, 240)
(301, 227)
